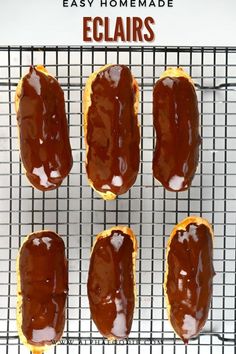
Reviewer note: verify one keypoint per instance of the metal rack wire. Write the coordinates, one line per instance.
(77, 213)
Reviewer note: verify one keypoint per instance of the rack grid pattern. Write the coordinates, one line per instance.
(77, 213)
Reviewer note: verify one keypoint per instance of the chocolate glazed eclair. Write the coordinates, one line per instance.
(43, 131)
(189, 276)
(42, 287)
(111, 130)
(176, 121)
(111, 282)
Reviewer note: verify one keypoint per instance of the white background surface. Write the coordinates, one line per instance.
(189, 22)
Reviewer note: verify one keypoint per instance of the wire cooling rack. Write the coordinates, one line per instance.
(77, 213)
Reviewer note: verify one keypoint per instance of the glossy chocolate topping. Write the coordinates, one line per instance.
(111, 285)
(189, 279)
(112, 131)
(176, 121)
(43, 132)
(44, 287)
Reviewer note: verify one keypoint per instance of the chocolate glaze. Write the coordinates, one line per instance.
(111, 285)
(43, 132)
(189, 279)
(176, 121)
(44, 287)
(112, 131)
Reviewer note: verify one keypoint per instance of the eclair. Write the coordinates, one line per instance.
(42, 287)
(111, 130)
(111, 282)
(176, 122)
(189, 276)
(42, 129)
